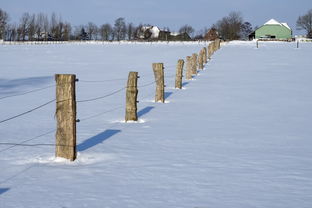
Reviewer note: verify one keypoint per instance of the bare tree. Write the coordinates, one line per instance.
(187, 29)
(305, 23)
(92, 30)
(131, 31)
(11, 32)
(106, 31)
(230, 27)
(120, 28)
(138, 33)
(39, 25)
(46, 27)
(76, 32)
(56, 27)
(4, 17)
(24, 26)
(31, 27)
(66, 31)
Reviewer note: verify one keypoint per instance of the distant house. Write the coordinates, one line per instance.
(148, 32)
(211, 35)
(154, 33)
(273, 29)
(173, 36)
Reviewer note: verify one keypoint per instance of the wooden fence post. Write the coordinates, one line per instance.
(214, 46)
(218, 44)
(158, 69)
(194, 63)
(205, 55)
(201, 60)
(188, 68)
(179, 74)
(66, 116)
(131, 97)
(210, 51)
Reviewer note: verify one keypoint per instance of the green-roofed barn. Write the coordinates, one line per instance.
(274, 30)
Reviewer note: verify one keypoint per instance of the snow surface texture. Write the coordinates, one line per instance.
(238, 135)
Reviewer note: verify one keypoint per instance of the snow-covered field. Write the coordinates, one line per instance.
(238, 135)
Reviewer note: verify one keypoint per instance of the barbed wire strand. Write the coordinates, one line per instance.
(100, 81)
(99, 114)
(27, 140)
(29, 111)
(27, 92)
(34, 145)
(101, 97)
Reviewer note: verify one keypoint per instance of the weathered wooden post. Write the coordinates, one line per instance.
(158, 69)
(194, 63)
(188, 68)
(218, 44)
(257, 44)
(65, 116)
(205, 55)
(200, 60)
(131, 97)
(210, 51)
(214, 46)
(179, 74)
(297, 43)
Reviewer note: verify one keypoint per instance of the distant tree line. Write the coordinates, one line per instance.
(39, 27)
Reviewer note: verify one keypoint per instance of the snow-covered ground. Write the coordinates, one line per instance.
(238, 135)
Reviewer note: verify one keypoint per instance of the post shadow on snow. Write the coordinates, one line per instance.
(185, 83)
(93, 141)
(3, 190)
(168, 94)
(145, 111)
(29, 81)
(18, 85)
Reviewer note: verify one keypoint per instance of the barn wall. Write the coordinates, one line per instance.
(279, 31)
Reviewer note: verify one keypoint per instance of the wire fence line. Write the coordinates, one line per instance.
(27, 140)
(12, 144)
(101, 81)
(27, 112)
(34, 145)
(27, 92)
(23, 143)
(79, 101)
(102, 113)
(102, 97)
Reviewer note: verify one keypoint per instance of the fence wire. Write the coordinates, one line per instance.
(101, 81)
(26, 112)
(101, 97)
(27, 92)
(12, 145)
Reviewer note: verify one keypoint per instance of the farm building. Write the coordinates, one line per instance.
(274, 30)
(154, 33)
(211, 35)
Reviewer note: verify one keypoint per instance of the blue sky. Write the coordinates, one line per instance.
(163, 13)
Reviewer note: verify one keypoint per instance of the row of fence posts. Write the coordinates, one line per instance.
(66, 97)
